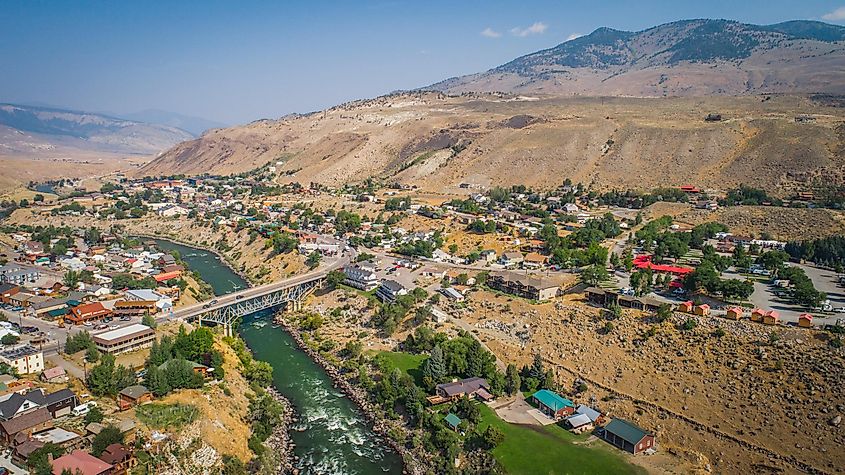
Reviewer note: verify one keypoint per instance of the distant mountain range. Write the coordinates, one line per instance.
(688, 58)
(30, 130)
(194, 125)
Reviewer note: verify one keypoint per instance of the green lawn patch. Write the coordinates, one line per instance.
(407, 362)
(534, 450)
(166, 416)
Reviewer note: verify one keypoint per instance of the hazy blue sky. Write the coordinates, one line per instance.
(236, 61)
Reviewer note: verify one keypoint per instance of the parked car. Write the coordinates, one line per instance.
(125, 318)
(88, 324)
(83, 409)
(213, 302)
(239, 297)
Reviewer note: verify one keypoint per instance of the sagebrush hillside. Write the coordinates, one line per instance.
(438, 142)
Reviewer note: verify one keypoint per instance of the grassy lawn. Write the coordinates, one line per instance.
(409, 363)
(166, 416)
(552, 450)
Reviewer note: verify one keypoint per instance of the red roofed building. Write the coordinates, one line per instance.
(644, 262)
(86, 312)
(734, 313)
(685, 307)
(702, 309)
(165, 276)
(805, 320)
(80, 461)
(689, 189)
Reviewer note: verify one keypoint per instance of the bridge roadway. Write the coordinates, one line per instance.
(243, 297)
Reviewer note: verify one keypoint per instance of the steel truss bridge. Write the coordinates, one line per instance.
(227, 309)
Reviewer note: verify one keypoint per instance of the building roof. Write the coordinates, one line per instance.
(588, 411)
(27, 447)
(59, 396)
(19, 352)
(579, 420)
(82, 461)
(537, 282)
(26, 421)
(464, 386)
(136, 391)
(89, 308)
(452, 420)
(55, 435)
(625, 430)
(114, 454)
(392, 285)
(165, 276)
(124, 333)
(145, 294)
(51, 373)
(552, 400)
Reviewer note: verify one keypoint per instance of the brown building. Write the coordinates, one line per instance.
(627, 436)
(125, 339)
(26, 424)
(805, 320)
(525, 286)
(87, 312)
(133, 396)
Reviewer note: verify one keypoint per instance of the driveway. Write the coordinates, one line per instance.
(517, 411)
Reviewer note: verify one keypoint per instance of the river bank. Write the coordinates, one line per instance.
(357, 395)
(324, 432)
(223, 258)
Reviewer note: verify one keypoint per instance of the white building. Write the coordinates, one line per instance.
(25, 359)
(361, 277)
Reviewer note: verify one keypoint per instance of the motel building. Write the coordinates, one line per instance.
(126, 339)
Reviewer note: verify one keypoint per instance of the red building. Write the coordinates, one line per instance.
(86, 312)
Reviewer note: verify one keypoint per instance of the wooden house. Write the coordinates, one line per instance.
(702, 309)
(734, 313)
(685, 307)
(805, 320)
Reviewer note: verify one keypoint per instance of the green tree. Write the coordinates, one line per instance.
(109, 435)
(493, 436)
(71, 279)
(38, 461)
(594, 275)
(148, 320)
(313, 259)
(335, 278)
(434, 368)
(95, 414)
(512, 380)
(9, 339)
(261, 373)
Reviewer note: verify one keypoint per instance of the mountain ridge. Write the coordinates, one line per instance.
(673, 59)
(86, 130)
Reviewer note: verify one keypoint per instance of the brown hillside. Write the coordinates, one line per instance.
(438, 142)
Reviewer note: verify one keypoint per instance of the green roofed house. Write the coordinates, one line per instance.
(627, 436)
(453, 421)
(552, 404)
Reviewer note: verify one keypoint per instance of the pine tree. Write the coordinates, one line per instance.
(512, 380)
(435, 365)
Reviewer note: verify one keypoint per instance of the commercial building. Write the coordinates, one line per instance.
(129, 338)
(361, 277)
(526, 286)
(389, 290)
(26, 359)
(86, 312)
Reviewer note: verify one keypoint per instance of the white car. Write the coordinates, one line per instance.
(83, 409)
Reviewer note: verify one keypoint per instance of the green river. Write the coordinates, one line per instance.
(331, 436)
